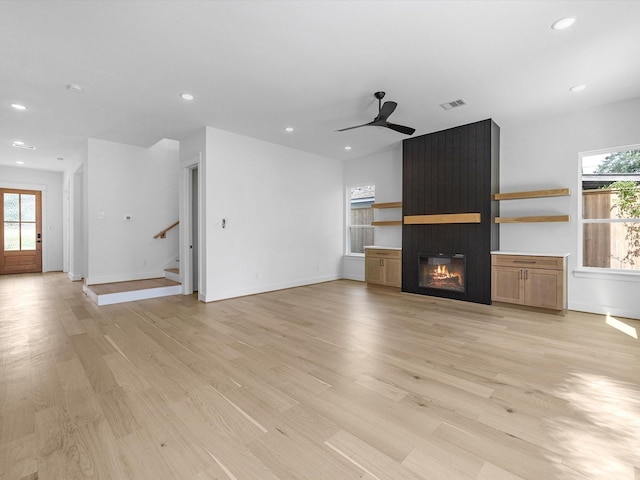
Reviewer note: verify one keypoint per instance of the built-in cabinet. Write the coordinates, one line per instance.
(383, 266)
(531, 280)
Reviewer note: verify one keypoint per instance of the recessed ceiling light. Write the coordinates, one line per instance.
(563, 23)
(18, 142)
(75, 88)
(187, 96)
(288, 129)
(19, 162)
(22, 145)
(578, 88)
(347, 147)
(17, 106)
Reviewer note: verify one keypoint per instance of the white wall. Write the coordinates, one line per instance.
(544, 154)
(284, 213)
(127, 180)
(537, 155)
(384, 170)
(50, 184)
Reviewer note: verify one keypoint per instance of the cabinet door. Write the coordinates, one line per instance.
(507, 284)
(544, 288)
(393, 272)
(373, 270)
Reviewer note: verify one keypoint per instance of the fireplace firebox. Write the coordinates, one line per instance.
(442, 271)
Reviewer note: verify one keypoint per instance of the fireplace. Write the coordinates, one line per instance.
(445, 175)
(442, 271)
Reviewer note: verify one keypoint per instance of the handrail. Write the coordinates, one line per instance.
(163, 233)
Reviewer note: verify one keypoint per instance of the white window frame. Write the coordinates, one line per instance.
(583, 271)
(347, 245)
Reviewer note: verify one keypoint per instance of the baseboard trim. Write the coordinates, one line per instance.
(224, 295)
(604, 310)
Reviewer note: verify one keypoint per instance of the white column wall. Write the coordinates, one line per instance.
(284, 216)
(140, 182)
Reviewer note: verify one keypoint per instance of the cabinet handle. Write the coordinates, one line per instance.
(526, 274)
(520, 274)
(382, 262)
(525, 261)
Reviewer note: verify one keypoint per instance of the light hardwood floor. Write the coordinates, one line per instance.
(331, 381)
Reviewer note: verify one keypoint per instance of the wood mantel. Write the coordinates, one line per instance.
(442, 218)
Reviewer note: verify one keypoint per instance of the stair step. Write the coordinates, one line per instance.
(172, 274)
(110, 293)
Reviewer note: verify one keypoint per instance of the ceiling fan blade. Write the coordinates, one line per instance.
(386, 110)
(400, 128)
(357, 126)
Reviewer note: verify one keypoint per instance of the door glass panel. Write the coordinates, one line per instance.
(11, 207)
(28, 210)
(11, 236)
(28, 236)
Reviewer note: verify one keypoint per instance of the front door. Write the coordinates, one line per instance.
(21, 231)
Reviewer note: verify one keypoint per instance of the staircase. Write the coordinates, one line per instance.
(120, 292)
(172, 274)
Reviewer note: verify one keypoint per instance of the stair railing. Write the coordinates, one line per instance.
(163, 233)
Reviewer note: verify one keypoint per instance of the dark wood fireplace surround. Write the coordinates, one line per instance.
(453, 171)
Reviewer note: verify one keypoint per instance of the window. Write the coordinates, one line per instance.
(19, 221)
(360, 217)
(610, 220)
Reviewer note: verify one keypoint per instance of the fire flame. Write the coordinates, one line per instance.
(442, 273)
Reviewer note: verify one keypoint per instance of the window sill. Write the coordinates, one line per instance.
(607, 274)
(354, 255)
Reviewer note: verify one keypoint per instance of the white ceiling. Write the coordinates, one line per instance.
(256, 67)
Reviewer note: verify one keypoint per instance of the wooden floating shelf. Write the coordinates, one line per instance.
(442, 218)
(387, 205)
(386, 223)
(557, 192)
(542, 218)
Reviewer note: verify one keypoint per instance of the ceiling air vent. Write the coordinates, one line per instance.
(454, 104)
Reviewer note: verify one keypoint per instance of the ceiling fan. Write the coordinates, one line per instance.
(384, 111)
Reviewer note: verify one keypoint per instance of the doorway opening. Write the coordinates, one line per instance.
(193, 220)
(191, 255)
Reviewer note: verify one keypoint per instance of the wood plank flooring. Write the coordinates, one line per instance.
(331, 381)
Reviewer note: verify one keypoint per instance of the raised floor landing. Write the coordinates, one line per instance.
(120, 292)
